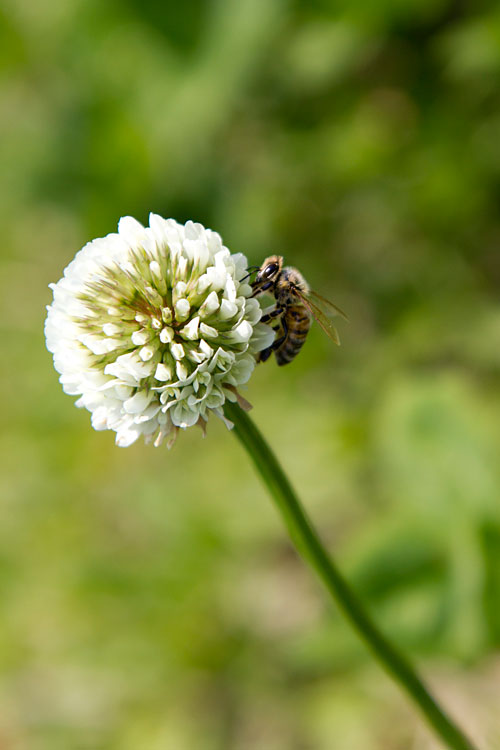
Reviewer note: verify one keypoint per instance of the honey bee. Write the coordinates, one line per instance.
(296, 306)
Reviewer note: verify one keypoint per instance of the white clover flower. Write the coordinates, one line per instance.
(153, 328)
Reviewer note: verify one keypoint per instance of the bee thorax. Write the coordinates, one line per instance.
(289, 280)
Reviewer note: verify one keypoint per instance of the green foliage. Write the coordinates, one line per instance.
(149, 599)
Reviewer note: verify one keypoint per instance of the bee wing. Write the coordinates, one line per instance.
(323, 302)
(320, 317)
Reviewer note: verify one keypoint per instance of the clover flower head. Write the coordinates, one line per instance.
(154, 328)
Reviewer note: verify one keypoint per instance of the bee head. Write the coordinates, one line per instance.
(268, 272)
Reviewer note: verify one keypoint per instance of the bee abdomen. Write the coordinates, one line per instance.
(298, 322)
(286, 354)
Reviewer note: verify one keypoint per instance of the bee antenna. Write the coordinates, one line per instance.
(251, 270)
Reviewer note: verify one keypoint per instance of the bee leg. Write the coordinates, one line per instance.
(266, 353)
(271, 315)
(277, 343)
(260, 289)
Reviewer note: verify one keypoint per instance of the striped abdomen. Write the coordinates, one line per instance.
(296, 322)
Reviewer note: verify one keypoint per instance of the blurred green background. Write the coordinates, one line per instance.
(150, 600)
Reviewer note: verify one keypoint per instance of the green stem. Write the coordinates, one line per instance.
(309, 545)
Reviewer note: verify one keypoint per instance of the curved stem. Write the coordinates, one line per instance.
(309, 545)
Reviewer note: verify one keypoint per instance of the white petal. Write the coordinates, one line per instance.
(147, 352)
(163, 372)
(210, 305)
(139, 338)
(127, 436)
(227, 309)
(166, 335)
(130, 229)
(190, 331)
(182, 308)
(208, 331)
(138, 402)
(242, 332)
(181, 370)
(177, 351)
